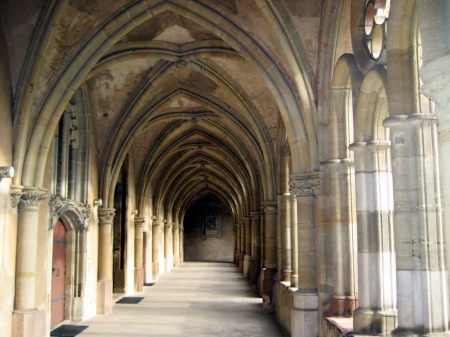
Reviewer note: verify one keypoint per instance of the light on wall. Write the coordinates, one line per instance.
(135, 212)
(98, 202)
(6, 172)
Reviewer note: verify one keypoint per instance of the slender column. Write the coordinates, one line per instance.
(304, 314)
(138, 253)
(155, 248)
(256, 249)
(176, 244)
(105, 261)
(286, 232)
(294, 241)
(376, 314)
(341, 215)
(421, 275)
(241, 257)
(237, 244)
(181, 244)
(27, 319)
(248, 247)
(270, 265)
(168, 249)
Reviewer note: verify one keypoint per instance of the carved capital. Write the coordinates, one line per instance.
(139, 221)
(156, 224)
(79, 214)
(15, 194)
(305, 185)
(167, 226)
(28, 199)
(106, 215)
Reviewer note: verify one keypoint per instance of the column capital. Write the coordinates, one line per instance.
(175, 227)
(167, 226)
(156, 224)
(27, 198)
(305, 184)
(106, 215)
(139, 221)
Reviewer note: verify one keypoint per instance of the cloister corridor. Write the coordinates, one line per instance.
(195, 299)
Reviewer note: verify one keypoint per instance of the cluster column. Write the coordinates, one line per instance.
(105, 260)
(27, 320)
(138, 253)
(305, 312)
(419, 232)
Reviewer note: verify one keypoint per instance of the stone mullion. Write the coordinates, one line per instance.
(421, 274)
(376, 314)
(305, 314)
(105, 258)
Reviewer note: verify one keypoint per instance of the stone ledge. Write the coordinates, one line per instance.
(343, 325)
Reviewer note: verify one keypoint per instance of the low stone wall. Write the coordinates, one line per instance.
(284, 303)
(337, 327)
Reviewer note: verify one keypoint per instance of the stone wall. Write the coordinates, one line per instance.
(284, 303)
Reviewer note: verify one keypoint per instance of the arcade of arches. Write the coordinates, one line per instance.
(308, 142)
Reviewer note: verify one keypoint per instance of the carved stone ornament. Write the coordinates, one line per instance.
(309, 186)
(77, 214)
(139, 221)
(106, 215)
(27, 199)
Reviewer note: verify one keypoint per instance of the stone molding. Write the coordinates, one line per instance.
(417, 118)
(106, 215)
(374, 146)
(78, 213)
(305, 185)
(139, 221)
(27, 198)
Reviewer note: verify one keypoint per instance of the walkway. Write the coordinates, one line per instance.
(195, 299)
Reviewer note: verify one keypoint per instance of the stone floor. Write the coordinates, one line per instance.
(195, 299)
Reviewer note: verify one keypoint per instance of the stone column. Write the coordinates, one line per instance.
(286, 232)
(248, 247)
(238, 244)
(270, 264)
(419, 233)
(341, 215)
(181, 244)
(241, 257)
(305, 312)
(168, 249)
(176, 244)
(376, 314)
(294, 241)
(27, 320)
(155, 248)
(138, 253)
(105, 260)
(256, 249)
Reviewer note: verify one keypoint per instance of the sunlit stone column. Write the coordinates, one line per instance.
(304, 314)
(155, 248)
(27, 319)
(168, 249)
(256, 249)
(376, 314)
(241, 257)
(341, 215)
(105, 260)
(270, 262)
(176, 244)
(294, 241)
(248, 247)
(419, 233)
(138, 253)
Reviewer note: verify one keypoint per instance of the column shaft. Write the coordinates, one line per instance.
(248, 247)
(294, 241)
(139, 254)
(286, 232)
(155, 249)
(168, 249)
(176, 244)
(256, 249)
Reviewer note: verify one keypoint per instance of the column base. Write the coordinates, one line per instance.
(138, 279)
(28, 323)
(104, 297)
(305, 315)
(370, 322)
(246, 265)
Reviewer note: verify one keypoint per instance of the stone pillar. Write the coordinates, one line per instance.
(105, 261)
(376, 314)
(176, 244)
(341, 215)
(248, 247)
(27, 320)
(294, 241)
(419, 233)
(168, 249)
(270, 265)
(155, 249)
(138, 253)
(305, 312)
(238, 244)
(241, 257)
(286, 232)
(256, 249)
(181, 244)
